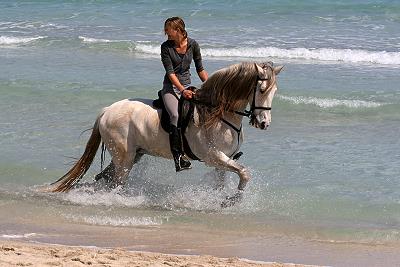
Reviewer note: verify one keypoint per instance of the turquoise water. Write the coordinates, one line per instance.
(327, 169)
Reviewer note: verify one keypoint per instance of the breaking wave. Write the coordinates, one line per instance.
(94, 40)
(321, 54)
(11, 40)
(330, 102)
(153, 50)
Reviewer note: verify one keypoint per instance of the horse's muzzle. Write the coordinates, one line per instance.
(255, 123)
(263, 125)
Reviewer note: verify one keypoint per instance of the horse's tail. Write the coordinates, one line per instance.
(76, 173)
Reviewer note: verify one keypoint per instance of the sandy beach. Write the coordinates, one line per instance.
(33, 254)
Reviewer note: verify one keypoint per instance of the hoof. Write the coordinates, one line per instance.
(230, 201)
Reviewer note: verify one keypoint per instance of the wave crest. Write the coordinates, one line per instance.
(317, 54)
(11, 40)
(330, 102)
(321, 54)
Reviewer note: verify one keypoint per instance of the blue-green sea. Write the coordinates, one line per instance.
(326, 174)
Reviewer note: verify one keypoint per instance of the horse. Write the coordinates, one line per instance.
(131, 128)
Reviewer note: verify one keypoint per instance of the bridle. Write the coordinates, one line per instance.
(253, 107)
(250, 113)
(247, 113)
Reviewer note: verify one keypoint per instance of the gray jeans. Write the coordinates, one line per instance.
(170, 94)
(171, 105)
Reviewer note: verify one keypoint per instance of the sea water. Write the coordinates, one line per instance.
(327, 169)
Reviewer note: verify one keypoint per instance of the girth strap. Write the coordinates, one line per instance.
(238, 131)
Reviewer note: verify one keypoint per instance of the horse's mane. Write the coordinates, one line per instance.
(225, 90)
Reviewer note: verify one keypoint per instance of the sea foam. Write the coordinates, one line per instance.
(309, 54)
(19, 236)
(11, 40)
(94, 40)
(320, 54)
(88, 197)
(330, 102)
(116, 220)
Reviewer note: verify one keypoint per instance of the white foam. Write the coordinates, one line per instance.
(330, 102)
(147, 49)
(112, 198)
(94, 40)
(117, 221)
(18, 236)
(321, 54)
(11, 40)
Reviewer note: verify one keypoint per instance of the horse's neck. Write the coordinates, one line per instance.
(233, 118)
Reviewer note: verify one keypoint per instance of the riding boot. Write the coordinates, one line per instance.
(175, 142)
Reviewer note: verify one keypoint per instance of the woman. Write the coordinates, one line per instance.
(177, 54)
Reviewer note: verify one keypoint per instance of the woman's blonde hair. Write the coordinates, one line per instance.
(177, 24)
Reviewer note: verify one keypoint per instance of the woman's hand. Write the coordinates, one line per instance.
(187, 94)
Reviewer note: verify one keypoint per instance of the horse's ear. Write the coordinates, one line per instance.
(259, 69)
(277, 69)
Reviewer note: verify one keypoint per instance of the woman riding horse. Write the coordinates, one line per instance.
(131, 128)
(177, 54)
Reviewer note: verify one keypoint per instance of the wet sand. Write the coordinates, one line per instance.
(33, 254)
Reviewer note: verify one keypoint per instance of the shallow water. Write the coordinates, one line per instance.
(327, 169)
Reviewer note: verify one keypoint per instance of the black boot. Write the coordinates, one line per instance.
(175, 142)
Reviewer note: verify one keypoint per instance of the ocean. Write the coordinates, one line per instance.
(326, 171)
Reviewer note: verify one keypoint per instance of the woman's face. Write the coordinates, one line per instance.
(172, 34)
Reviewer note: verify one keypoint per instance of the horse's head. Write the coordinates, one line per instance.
(261, 97)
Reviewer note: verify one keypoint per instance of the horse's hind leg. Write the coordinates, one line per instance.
(138, 156)
(107, 174)
(123, 166)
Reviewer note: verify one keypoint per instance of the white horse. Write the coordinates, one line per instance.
(131, 128)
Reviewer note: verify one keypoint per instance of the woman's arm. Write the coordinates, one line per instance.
(175, 81)
(203, 75)
(188, 94)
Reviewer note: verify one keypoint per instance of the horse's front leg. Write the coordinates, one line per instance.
(220, 174)
(221, 161)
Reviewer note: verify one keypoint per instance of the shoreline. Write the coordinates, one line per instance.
(20, 253)
(183, 244)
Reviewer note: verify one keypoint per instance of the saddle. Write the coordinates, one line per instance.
(186, 111)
